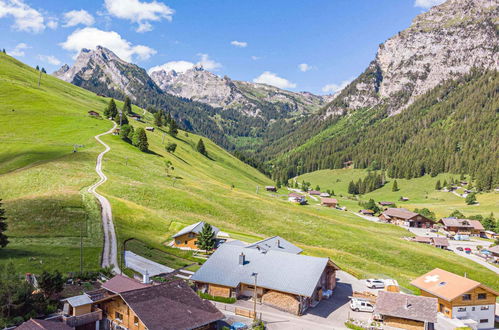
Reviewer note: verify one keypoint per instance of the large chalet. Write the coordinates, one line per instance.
(404, 217)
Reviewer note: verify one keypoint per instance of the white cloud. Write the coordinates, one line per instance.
(427, 3)
(25, 18)
(335, 88)
(304, 67)
(50, 59)
(207, 63)
(240, 44)
(255, 58)
(90, 37)
(19, 50)
(139, 12)
(53, 23)
(270, 78)
(75, 17)
(177, 66)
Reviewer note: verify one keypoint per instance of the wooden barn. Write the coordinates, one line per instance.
(404, 217)
(329, 202)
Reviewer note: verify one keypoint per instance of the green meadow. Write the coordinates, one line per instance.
(43, 184)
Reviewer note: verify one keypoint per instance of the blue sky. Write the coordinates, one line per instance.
(298, 45)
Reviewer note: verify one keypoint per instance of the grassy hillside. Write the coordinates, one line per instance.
(45, 201)
(420, 191)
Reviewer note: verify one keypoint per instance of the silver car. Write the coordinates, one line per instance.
(375, 284)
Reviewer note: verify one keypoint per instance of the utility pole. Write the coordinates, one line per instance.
(254, 296)
(81, 247)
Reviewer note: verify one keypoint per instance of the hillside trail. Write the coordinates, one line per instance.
(110, 252)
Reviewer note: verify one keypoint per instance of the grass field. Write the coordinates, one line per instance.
(150, 206)
(420, 191)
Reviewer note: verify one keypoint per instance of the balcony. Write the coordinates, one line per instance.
(76, 321)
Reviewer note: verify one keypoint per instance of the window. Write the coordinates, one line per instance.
(484, 320)
(484, 308)
(185, 242)
(441, 308)
(482, 296)
(178, 242)
(135, 320)
(466, 296)
(461, 309)
(118, 316)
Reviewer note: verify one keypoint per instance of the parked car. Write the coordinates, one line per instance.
(375, 284)
(361, 305)
(459, 248)
(467, 250)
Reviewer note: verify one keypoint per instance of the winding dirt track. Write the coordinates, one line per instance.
(110, 252)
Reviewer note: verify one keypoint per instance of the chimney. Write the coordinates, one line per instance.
(407, 304)
(278, 243)
(145, 277)
(242, 259)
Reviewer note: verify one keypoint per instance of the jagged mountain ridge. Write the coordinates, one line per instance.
(204, 86)
(443, 43)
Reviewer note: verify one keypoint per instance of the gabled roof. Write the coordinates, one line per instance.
(79, 300)
(422, 239)
(401, 213)
(440, 241)
(195, 228)
(172, 305)
(446, 285)
(280, 271)
(407, 306)
(120, 283)
(33, 324)
(329, 201)
(454, 222)
(477, 225)
(314, 192)
(276, 243)
(494, 249)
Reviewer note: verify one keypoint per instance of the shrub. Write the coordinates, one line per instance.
(216, 298)
(350, 325)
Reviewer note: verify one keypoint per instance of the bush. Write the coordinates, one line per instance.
(215, 298)
(350, 325)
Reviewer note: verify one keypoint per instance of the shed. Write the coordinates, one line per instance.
(329, 202)
(150, 129)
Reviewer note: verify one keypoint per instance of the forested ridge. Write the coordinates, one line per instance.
(452, 128)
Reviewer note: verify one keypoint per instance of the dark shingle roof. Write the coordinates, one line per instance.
(407, 306)
(172, 305)
(43, 324)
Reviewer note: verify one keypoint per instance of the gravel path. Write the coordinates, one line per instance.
(110, 252)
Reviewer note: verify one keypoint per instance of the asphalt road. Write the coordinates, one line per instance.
(110, 252)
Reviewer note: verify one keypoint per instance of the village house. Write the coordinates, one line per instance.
(463, 226)
(297, 198)
(386, 203)
(271, 188)
(367, 212)
(324, 194)
(404, 217)
(188, 236)
(137, 306)
(278, 276)
(405, 311)
(459, 297)
(490, 234)
(494, 251)
(275, 243)
(329, 202)
(150, 129)
(439, 242)
(314, 192)
(53, 324)
(93, 113)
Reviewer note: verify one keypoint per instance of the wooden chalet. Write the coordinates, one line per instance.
(439, 242)
(403, 311)
(314, 192)
(93, 113)
(463, 226)
(271, 188)
(367, 212)
(329, 202)
(279, 276)
(188, 236)
(459, 297)
(404, 217)
(490, 234)
(494, 250)
(136, 306)
(384, 203)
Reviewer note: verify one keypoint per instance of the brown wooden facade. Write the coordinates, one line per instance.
(186, 241)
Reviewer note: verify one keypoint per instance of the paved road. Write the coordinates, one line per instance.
(110, 252)
(329, 314)
(141, 265)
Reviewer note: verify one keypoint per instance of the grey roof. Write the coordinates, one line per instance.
(407, 306)
(79, 300)
(440, 241)
(195, 228)
(399, 213)
(235, 242)
(276, 243)
(281, 271)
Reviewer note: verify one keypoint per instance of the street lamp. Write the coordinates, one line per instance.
(255, 275)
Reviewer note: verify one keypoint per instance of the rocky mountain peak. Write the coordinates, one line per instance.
(443, 43)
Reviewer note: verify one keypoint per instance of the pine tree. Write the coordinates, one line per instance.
(395, 186)
(171, 147)
(37, 68)
(471, 199)
(43, 70)
(127, 106)
(438, 186)
(351, 188)
(158, 119)
(201, 148)
(3, 50)
(111, 111)
(140, 139)
(125, 132)
(3, 227)
(489, 222)
(173, 128)
(206, 238)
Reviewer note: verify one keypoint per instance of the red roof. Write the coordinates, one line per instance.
(120, 283)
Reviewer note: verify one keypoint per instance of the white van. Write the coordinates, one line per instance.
(361, 305)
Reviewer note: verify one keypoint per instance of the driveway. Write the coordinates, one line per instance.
(141, 265)
(367, 217)
(329, 314)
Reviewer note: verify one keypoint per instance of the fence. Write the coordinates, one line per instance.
(240, 311)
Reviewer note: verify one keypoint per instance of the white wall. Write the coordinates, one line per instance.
(477, 314)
